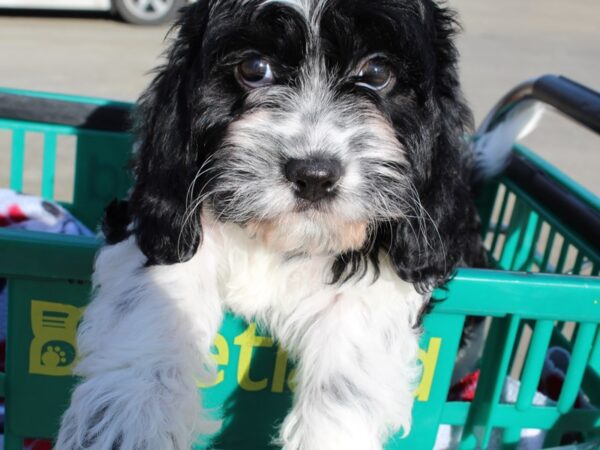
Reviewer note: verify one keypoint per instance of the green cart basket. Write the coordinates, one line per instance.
(541, 228)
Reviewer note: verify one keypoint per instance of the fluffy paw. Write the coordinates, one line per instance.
(112, 412)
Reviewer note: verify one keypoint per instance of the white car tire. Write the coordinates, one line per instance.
(148, 12)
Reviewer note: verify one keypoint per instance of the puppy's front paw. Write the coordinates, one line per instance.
(131, 415)
(78, 434)
(317, 430)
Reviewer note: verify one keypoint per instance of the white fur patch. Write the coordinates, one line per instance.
(145, 339)
(143, 343)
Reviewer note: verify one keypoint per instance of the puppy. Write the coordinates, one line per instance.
(300, 163)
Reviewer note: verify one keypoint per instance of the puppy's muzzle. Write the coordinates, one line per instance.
(313, 179)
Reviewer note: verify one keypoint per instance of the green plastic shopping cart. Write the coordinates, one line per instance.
(542, 230)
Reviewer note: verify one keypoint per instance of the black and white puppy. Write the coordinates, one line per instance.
(301, 163)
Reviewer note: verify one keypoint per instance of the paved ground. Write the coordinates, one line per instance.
(504, 42)
(507, 41)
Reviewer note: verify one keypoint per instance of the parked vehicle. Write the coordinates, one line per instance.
(139, 12)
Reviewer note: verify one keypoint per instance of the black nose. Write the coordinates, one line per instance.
(313, 178)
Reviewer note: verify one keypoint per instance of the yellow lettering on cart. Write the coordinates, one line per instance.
(52, 350)
(247, 341)
(428, 359)
(291, 380)
(221, 358)
(281, 362)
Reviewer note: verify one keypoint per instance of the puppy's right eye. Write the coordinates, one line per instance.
(255, 72)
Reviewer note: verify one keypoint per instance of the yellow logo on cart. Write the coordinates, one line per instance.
(52, 350)
(249, 340)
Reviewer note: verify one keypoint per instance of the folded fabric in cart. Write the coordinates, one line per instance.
(33, 213)
(29, 212)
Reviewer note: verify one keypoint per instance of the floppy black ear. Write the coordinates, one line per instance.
(426, 249)
(166, 161)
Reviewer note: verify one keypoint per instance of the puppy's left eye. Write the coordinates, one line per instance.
(375, 74)
(255, 72)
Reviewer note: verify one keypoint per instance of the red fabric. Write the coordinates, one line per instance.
(16, 214)
(464, 390)
(37, 444)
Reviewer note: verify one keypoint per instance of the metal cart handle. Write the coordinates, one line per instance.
(517, 114)
(570, 98)
(578, 102)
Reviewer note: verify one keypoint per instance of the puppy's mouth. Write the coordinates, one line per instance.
(321, 207)
(309, 232)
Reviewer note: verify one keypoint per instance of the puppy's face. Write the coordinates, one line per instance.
(320, 126)
(324, 101)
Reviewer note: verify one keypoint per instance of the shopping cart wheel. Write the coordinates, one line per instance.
(147, 12)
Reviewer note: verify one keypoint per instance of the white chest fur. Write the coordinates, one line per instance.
(257, 283)
(355, 343)
(145, 339)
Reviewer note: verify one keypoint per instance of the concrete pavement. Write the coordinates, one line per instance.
(507, 41)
